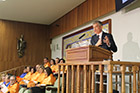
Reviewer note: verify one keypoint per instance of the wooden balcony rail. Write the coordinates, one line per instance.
(90, 77)
(15, 71)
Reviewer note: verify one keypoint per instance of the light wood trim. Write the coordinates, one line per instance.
(13, 69)
(72, 81)
(101, 79)
(123, 68)
(89, 80)
(110, 69)
(78, 79)
(76, 68)
(116, 86)
(85, 79)
(67, 80)
(63, 79)
(134, 69)
(130, 82)
(138, 80)
(93, 79)
(58, 89)
(121, 63)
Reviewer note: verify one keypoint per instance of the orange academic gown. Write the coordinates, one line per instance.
(35, 77)
(53, 67)
(47, 64)
(27, 77)
(50, 80)
(13, 88)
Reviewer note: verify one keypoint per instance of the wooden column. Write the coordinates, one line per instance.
(138, 80)
(78, 79)
(93, 79)
(85, 79)
(134, 69)
(63, 79)
(89, 79)
(72, 81)
(116, 87)
(123, 68)
(101, 79)
(67, 80)
(58, 89)
(110, 69)
(130, 82)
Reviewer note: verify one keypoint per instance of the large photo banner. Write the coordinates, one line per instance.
(82, 37)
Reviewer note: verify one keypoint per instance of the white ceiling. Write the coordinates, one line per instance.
(36, 11)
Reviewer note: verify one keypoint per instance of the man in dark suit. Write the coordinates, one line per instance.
(102, 39)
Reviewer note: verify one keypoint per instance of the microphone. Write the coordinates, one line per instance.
(82, 36)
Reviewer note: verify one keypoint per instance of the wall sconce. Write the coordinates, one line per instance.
(57, 47)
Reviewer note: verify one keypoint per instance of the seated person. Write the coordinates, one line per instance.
(46, 62)
(49, 80)
(25, 71)
(5, 84)
(57, 60)
(28, 76)
(7, 80)
(63, 61)
(14, 86)
(53, 66)
(2, 78)
(39, 79)
(60, 61)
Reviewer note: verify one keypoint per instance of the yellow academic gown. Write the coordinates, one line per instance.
(27, 77)
(56, 69)
(39, 79)
(47, 64)
(53, 67)
(50, 80)
(35, 77)
(13, 88)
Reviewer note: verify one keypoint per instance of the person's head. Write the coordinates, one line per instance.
(48, 71)
(41, 69)
(97, 26)
(46, 60)
(52, 62)
(25, 69)
(37, 67)
(28, 69)
(57, 60)
(3, 77)
(33, 70)
(62, 60)
(12, 80)
(7, 78)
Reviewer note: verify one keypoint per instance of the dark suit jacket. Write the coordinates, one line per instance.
(113, 47)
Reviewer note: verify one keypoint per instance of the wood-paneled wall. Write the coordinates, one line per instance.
(87, 11)
(36, 36)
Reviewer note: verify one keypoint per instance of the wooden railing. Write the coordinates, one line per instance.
(15, 71)
(98, 77)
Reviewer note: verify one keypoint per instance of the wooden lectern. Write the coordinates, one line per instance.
(87, 54)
